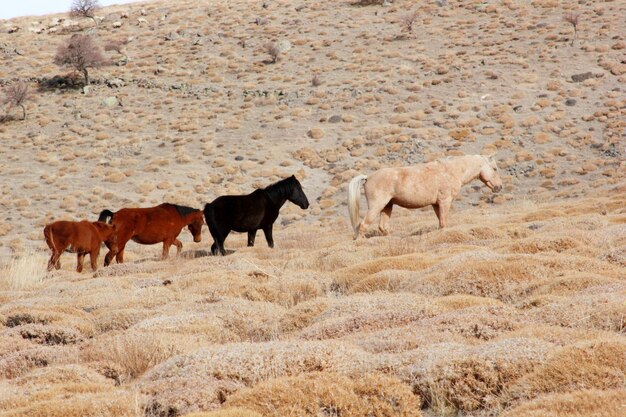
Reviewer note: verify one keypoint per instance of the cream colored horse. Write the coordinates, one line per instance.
(435, 183)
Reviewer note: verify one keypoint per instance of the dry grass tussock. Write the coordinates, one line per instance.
(586, 403)
(24, 271)
(329, 394)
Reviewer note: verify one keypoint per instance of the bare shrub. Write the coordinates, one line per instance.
(407, 21)
(116, 45)
(15, 95)
(572, 19)
(273, 51)
(85, 8)
(316, 81)
(80, 52)
(133, 354)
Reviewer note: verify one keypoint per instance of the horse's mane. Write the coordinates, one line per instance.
(182, 210)
(280, 188)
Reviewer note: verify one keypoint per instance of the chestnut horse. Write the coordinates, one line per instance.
(248, 213)
(435, 183)
(151, 225)
(81, 237)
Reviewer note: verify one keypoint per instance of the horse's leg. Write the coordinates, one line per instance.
(220, 244)
(218, 240)
(442, 211)
(267, 230)
(437, 212)
(80, 258)
(54, 261)
(384, 218)
(374, 210)
(93, 257)
(166, 249)
(251, 237)
(179, 246)
(119, 256)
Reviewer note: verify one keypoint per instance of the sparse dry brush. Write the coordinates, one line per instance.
(80, 52)
(16, 95)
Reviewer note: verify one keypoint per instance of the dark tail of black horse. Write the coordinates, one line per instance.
(105, 216)
(214, 228)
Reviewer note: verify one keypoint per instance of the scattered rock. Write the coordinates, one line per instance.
(315, 133)
(172, 36)
(570, 102)
(578, 78)
(115, 83)
(283, 46)
(334, 119)
(117, 24)
(111, 102)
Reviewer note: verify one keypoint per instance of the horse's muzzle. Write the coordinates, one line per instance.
(497, 188)
(197, 239)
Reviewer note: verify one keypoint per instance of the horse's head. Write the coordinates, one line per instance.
(106, 231)
(297, 195)
(195, 227)
(489, 174)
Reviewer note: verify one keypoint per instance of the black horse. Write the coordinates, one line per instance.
(249, 213)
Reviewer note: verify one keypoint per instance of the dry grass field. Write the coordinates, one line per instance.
(518, 308)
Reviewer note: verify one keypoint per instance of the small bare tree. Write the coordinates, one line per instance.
(118, 45)
(274, 52)
(80, 52)
(15, 95)
(572, 19)
(407, 21)
(85, 8)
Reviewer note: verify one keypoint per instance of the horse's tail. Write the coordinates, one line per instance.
(47, 233)
(209, 217)
(104, 215)
(354, 192)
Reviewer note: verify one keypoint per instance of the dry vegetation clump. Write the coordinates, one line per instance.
(474, 378)
(584, 403)
(19, 361)
(362, 277)
(600, 308)
(129, 355)
(183, 394)
(368, 312)
(113, 403)
(226, 412)
(597, 364)
(250, 363)
(47, 334)
(329, 394)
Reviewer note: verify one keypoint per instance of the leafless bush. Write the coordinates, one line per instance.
(273, 51)
(116, 45)
(15, 95)
(407, 21)
(80, 52)
(84, 8)
(572, 19)
(316, 80)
